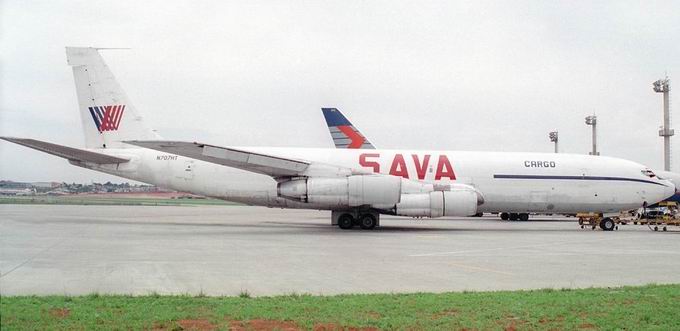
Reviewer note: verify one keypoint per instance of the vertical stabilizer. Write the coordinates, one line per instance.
(107, 115)
(344, 134)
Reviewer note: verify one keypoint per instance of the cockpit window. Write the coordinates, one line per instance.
(648, 173)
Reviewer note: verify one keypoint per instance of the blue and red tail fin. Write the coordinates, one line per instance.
(344, 134)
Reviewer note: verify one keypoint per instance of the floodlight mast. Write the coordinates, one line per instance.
(664, 86)
(592, 121)
(554, 137)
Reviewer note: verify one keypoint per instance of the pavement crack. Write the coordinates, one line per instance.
(33, 257)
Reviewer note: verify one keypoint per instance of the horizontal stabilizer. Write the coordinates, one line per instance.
(259, 163)
(69, 153)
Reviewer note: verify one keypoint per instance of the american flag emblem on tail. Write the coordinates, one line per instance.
(107, 118)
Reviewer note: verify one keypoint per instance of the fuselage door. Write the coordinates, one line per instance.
(188, 171)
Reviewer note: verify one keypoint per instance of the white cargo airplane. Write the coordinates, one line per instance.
(356, 185)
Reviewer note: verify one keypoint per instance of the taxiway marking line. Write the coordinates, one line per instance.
(465, 266)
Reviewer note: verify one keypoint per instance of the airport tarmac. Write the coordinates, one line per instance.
(227, 250)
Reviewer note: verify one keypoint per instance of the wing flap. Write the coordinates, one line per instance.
(259, 163)
(66, 152)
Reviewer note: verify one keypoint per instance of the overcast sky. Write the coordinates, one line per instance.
(449, 75)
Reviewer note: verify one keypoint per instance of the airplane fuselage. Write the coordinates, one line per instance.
(509, 182)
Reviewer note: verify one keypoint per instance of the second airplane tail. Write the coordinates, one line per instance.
(344, 134)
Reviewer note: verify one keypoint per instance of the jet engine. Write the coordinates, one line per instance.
(351, 191)
(459, 202)
(391, 194)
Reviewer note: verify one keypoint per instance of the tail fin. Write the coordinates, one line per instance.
(107, 115)
(344, 134)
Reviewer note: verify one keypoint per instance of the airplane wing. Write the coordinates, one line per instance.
(344, 134)
(69, 153)
(259, 163)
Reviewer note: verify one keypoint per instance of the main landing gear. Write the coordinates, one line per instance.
(515, 216)
(346, 220)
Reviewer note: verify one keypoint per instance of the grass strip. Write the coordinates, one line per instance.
(651, 307)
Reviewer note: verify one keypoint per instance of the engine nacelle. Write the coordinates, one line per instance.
(351, 191)
(389, 193)
(459, 202)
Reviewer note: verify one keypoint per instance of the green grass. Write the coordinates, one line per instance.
(652, 307)
(109, 201)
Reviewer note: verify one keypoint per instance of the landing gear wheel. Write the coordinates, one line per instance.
(367, 222)
(523, 217)
(607, 224)
(346, 221)
(513, 216)
(505, 216)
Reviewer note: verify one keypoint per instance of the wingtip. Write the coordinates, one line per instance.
(10, 139)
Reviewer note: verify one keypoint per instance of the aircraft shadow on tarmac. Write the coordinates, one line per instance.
(422, 228)
(323, 227)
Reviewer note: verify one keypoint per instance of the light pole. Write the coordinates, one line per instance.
(592, 121)
(664, 86)
(554, 137)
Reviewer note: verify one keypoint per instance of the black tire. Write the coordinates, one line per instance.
(367, 222)
(523, 217)
(479, 215)
(505, 216)
(346, 221)
(514, 216)
(607, 224)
